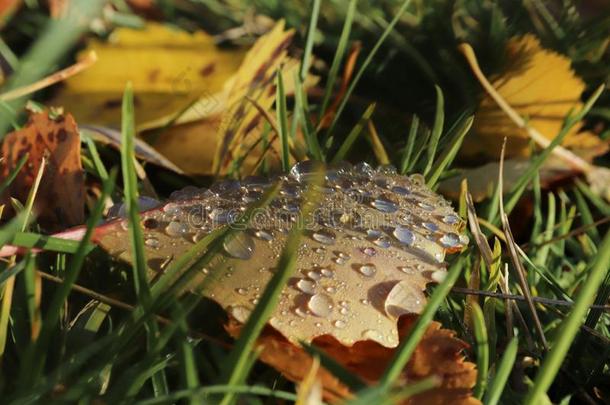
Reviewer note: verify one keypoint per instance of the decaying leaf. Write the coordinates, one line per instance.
(170, 69)
(376, 240)
(541, 86)
(60, 199)
(439, 353)
(199, 141)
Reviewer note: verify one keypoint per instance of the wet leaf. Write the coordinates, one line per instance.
(60, 199)
(541, 86)
(439, 353)
(377, 239)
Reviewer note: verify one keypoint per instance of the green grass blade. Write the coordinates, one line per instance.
(437, 129)
(353, 135)
(130, 184)
(369, 58)
(238, 358)
(450, 153)
(48, 243)
(482, 350)
(407, 347)
(570, 326)
(352, 381)
(301, 110)
(11, 176)
(408, 152)
(339, 54)
(35, 356)
(282, 120)
(97, 161)
(496, 387)
(311, 34)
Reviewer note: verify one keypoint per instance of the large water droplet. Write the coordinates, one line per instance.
(401, 190)
(404, 298)
(372, 334)
(339, 324)
(451, 219)
(450, 240)
(152, 242)
(302, 169)
(369, 251)
(431, 226)
(324, 236)
(175, 228)
(404, 235)
(367, 270)
(264, 235)
(307, 286)
(240, 246)
(383, 204)
(320, 305)
(240, 313)
(364, 169)
(382, 241)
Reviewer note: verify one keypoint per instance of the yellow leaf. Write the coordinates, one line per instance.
(541, 86)
(169, 69)
(206, 143)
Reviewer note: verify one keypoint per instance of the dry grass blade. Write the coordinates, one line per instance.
(475, 229)
(52, 79)
(514, 255)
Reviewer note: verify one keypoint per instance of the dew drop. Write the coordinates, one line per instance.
(240, 246)
(369, 251)
(320, 305)
(152, 242)
(450, 240)
(367, 270)
(327, 273)
(404, 235)
(431, 226)
(325, 237)
(438, 276)
(264, 235)
(384, 205)
(372, 334)
(450, 219)
(241, 291)
(401, 190)
(383, 242)
(307, 286)
(240, 312)
(314, 275)
(175, 228)
(340, 324)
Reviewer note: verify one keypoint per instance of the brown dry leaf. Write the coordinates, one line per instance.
(169, 69)
(541, 86)
(60, 199)
(377, 239)
(439, 353)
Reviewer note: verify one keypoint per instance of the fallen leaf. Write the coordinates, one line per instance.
(60, 199)
(206, 143)
(377, 239)
(169, 69)
(439, 353)
(541, 86)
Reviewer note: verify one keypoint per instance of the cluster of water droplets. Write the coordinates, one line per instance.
(373, 242)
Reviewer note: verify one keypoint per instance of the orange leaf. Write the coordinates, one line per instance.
(60, 199)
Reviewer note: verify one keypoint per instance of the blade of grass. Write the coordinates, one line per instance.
(437, 129)
(282, 119)
(482, 350)
(236, 371)
(311, 34)
(352, 381)
(406, 156)
(99, 165)
(35, 356)
(339, 54)
(140, 276)
(450, 153)
(369, 58)
(496, 387)
(13, 173)
(571, 325)
(353, 135)
(301, 112)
